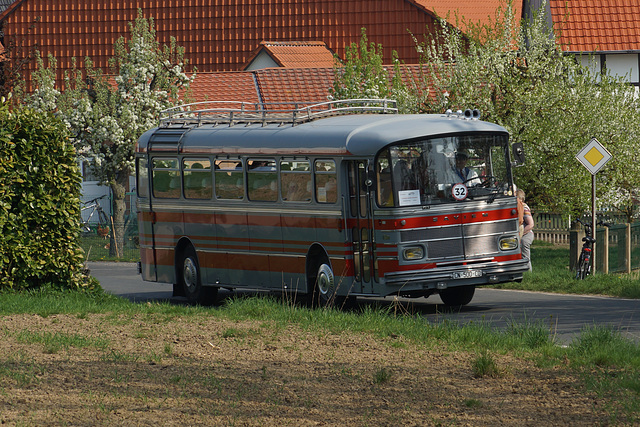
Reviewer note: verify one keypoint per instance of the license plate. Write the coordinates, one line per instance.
(466, 274)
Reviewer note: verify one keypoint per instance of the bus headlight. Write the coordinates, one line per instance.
(508, 243)
(413, 253)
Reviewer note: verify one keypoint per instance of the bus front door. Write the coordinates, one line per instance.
(360, 227)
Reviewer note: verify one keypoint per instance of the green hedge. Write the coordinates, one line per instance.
(39, 202)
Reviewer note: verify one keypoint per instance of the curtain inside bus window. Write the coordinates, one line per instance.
(295, 177)
(262, 180)
(165, 178)
(326, 181)
(229, 179)
(197, 180)
(142, 178)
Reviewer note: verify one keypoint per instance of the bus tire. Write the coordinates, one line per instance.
(457, 296)
(191, 280)
(323, 287)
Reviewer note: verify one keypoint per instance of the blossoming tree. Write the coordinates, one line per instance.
(107, 112)
(516, 73)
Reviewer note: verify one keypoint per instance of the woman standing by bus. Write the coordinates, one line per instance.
(526, 226)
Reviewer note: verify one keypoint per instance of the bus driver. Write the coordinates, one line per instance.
(463, 173)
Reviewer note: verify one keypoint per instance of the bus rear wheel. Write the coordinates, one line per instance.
(192, 282)
(322, 291)
(457, 296)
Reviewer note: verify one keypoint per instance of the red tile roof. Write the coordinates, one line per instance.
(288, 85)
(473, 11)
(597, 25)
(218, 35)
(269, 85)
(274, 85)
(296, 54)
(225, 86)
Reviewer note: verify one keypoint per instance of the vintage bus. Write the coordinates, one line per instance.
(333, 200)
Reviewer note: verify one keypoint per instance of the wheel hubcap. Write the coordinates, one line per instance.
(325, 280)
(190, 274)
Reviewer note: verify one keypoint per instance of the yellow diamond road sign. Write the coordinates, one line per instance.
(594, 156)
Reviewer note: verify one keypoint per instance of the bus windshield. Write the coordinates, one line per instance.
(430, 171)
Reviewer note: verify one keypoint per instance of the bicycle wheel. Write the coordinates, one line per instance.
(584, 267)
(103, 224)
(102, 219)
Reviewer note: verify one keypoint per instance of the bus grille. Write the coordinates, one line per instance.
(448, 242)
(445, 248)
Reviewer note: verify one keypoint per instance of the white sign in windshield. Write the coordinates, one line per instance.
(408, 197)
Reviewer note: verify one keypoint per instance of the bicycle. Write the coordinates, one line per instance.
(102, 219)
(583, 266)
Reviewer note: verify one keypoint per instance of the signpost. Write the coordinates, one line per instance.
(593, 157)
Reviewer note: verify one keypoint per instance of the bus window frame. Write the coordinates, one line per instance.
(237, 170)
(142, 174)
(316, 187)
(255, 172)
(198, 171)
(285, 184)
(172, 179)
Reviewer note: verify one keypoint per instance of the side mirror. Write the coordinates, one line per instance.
(517, 150)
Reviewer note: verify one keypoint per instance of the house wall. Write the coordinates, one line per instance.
(624, 65)
(263, 60)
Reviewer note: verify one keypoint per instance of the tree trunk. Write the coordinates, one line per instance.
(118, 190)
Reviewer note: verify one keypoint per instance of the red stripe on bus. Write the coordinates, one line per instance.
(449, 219)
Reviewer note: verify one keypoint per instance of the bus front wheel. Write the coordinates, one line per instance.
(457, 296)
(192, 282)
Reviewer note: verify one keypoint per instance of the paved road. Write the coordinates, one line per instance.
(566, 315)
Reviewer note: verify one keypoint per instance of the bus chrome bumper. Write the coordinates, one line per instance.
(473, 274)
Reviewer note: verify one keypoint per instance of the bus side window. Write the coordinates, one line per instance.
(326, 181)
(196, 174)
(166, 178)
(262, 180)
(142, 179)
(295, 177)
(229, 179)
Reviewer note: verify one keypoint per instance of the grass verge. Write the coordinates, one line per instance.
(601, 360)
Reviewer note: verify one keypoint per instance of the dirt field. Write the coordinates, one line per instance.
(100, 370)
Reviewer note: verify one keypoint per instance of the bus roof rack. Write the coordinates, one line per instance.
(282, 113)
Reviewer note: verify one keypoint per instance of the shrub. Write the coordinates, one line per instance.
(39, 202)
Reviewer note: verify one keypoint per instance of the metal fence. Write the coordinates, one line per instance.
(96, 241)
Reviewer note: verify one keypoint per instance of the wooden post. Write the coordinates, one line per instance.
(575, 245)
